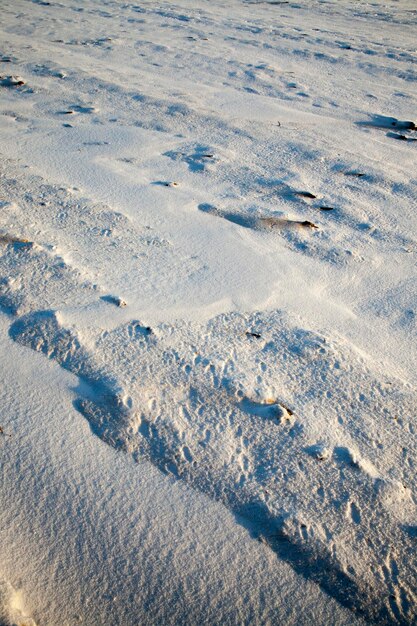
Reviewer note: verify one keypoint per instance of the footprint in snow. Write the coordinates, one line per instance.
(319, 451)
(197, 161)
(137, 331)
(354, 513)
(273, 411)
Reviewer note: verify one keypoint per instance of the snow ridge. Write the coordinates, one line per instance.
(243, 409)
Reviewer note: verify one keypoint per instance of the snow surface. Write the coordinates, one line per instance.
(207, 221)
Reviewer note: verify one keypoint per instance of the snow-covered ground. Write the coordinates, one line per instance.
(207, 225)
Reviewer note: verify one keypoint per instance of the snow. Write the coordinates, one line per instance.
(207, 226)
(88, 536)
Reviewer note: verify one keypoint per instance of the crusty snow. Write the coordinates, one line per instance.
(208, 312)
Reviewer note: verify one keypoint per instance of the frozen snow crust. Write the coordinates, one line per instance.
(207, 217)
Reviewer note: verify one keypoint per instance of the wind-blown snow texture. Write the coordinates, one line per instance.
(208, 216)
